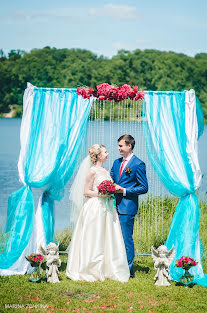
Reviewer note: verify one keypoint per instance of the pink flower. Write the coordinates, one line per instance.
(85, 94)
(79, 91)
(35, 259)
(126, 90)
(101, 98)
(136, 98)
(90, 90)
(141, 94)
(135, 89)
(132, 94)
(108, 92)
(104, 89)
(186, 262)
(179, 264)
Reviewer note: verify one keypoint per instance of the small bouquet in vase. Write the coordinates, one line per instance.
(36, 261)
(186, 263)
(106, 188)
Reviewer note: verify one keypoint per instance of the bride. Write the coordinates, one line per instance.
(97, 250)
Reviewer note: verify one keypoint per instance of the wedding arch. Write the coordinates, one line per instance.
(58, 126)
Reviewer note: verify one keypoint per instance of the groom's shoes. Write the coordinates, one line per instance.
(131, 273)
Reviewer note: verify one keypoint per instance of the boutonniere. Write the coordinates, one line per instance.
(128, 170)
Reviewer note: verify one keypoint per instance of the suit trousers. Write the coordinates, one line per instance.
(127, 226)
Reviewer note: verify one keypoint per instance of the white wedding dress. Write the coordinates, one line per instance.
(97, 250)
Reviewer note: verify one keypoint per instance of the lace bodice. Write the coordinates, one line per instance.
(101, 175)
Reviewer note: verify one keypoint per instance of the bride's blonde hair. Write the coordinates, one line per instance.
(94, 151)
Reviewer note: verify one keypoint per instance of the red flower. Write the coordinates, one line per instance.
(132, 95)
(136, 98)
(135, 89)
(128, 170)
(85, 94)
(179, 264)
(79, 91)
(104, 89)
(109, 92)
(90, 90)
(106, 187)
(126, 90)
(101, 98)
(186, 262)
(141, 95)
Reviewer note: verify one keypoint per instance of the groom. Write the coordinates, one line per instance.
(129, 173)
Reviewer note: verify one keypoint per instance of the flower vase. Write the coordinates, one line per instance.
(187, 278)
(36, 275)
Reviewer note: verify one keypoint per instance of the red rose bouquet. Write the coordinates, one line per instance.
(186, 262)
(106, 188)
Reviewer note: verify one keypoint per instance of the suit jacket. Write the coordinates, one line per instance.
(135, 184)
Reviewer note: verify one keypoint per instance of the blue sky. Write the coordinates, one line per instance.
(104, 27)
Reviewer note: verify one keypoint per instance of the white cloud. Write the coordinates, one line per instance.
(61, 14)
(137, 44)
(120, 12)
(123, 12)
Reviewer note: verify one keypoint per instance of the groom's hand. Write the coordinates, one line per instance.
(119, 189)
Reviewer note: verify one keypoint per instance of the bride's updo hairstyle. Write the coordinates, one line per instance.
(94, 151)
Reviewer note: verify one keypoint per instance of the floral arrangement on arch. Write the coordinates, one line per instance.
(109, 92)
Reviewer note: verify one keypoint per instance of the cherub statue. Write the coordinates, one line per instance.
(52, 262)
(162, 258)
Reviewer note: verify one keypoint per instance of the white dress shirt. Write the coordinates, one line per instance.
(125, 165)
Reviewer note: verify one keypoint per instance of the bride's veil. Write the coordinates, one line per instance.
(76, 196)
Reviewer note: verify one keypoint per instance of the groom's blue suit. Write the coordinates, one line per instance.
(135, 184)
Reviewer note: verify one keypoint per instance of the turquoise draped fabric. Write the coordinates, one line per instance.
(166, 125)
(54, 126)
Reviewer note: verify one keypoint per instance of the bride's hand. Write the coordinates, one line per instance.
(118, 189)
(104, 195)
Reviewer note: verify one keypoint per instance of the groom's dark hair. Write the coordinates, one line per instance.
(128, 140)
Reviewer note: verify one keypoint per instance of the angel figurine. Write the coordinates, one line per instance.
(162, 258)
(52, 262)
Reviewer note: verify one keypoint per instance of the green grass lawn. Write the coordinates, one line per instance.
(137, 295)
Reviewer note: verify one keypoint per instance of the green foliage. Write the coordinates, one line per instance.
(64, 238)
(18, 110)
(152, 224)
(51, 67)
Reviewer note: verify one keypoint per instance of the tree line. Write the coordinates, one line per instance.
(69, 68)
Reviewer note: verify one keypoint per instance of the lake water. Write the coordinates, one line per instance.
(106, 133)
